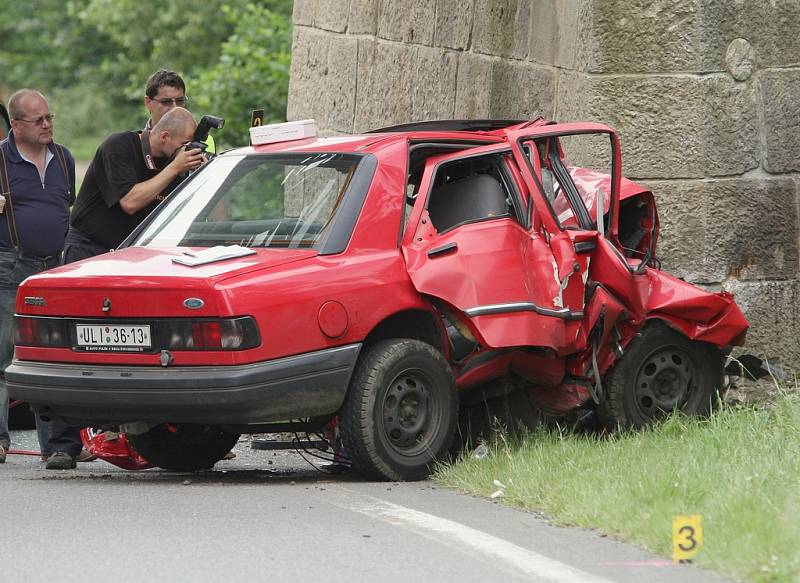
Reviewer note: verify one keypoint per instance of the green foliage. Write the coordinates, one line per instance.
(45, 45)
(92, 58)
(252, 72)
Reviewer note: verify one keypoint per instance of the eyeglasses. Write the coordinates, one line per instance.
(167, 101)
(39, 121)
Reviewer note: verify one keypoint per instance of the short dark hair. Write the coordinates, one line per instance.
(161, 78)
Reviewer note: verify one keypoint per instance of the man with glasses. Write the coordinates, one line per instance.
(164, 91)
(37, 182)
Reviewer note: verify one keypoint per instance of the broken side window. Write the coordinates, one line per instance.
(472, 189)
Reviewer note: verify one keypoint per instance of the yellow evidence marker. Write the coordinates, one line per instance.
(687, 536)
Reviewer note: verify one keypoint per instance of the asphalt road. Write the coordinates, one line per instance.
(270, 516)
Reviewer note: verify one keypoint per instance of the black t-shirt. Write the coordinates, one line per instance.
(118, 165)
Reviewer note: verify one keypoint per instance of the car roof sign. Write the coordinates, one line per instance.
(283, 132)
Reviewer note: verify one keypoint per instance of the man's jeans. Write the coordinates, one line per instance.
(13, 270)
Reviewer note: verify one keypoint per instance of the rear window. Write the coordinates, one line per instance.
(256, 201)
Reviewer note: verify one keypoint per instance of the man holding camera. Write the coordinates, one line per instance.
(129, 176)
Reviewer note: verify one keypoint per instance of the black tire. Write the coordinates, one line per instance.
(400, 412)
(184, 447)
(661, 371)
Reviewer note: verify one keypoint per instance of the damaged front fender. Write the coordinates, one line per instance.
(699, 314)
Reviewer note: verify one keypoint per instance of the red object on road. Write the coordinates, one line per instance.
(380, 278)
(14, 451)
(114, 448)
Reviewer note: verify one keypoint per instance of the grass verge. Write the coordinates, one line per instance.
(740, 470)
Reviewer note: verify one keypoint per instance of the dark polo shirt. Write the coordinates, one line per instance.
(117, 167)
(41, 210)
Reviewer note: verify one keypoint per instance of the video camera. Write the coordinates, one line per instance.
(207, 122)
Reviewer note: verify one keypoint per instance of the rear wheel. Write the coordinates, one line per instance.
(662, 371)
(184, 447)
(400, 413)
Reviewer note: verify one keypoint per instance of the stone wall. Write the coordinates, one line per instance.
(704, 93)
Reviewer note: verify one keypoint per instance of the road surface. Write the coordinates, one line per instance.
(270, 516)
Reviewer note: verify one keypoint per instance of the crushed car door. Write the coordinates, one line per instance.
(573, 171)
(470, 245)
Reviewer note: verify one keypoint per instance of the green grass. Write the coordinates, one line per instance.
(740, 470)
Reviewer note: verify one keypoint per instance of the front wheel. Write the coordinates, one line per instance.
(400, 413)
(184, 447)
(661, 371)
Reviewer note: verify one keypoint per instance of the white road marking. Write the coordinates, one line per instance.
(465, 539)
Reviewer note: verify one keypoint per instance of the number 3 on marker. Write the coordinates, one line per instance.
(687, 536)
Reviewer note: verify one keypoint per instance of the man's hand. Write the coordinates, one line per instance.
(143, 193)
(186, 161)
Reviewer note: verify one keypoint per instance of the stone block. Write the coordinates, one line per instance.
(554, 31)
(681, 214)
(309, 55)
(780, 105)
(322, 80)
(409, 21)
(773, 309)
(474, 86)
(522, 90)
(363, 17)
(670, 126)
(330, 15)
(522, 30)
(716, 230)
(493, 28)
(385, 77)
(638, 36)
(770, 27)
(434, 84)
(751, 228)
(453, 23)
(303, 12)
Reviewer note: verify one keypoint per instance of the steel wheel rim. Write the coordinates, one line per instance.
(409, 413)
(664, 382)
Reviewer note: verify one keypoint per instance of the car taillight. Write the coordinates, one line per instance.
(44, 332)
(217, 334)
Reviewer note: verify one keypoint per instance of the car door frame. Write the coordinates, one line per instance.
(522, 319)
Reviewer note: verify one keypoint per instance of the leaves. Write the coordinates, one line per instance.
(94, 56)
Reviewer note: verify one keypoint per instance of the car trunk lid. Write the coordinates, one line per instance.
(142, 282)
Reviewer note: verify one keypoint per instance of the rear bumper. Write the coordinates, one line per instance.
(305, 385)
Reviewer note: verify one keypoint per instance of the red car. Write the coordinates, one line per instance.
(377, 280)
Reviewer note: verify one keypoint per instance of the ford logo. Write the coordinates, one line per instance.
(193, 303)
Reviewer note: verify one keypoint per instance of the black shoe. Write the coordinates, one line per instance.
(60, 460)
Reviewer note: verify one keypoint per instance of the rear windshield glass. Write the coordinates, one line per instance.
(255, 201)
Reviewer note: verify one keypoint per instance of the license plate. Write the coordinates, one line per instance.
(107, 337)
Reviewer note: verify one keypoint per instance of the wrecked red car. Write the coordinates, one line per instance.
(377, 280)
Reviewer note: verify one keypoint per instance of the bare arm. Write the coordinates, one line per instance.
(144, 193)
